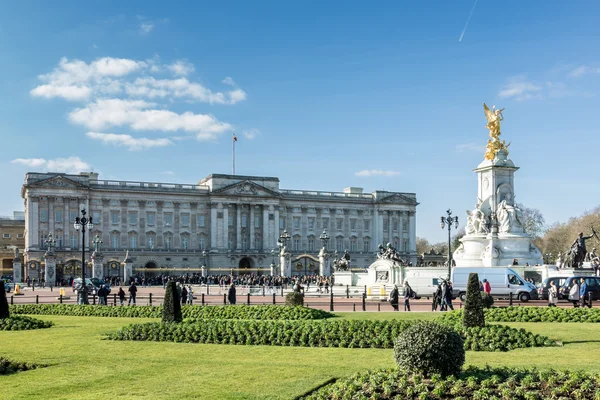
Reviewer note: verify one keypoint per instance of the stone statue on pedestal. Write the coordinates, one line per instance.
(389, 253)
(578, 250)
(477, 222)
(343, 263)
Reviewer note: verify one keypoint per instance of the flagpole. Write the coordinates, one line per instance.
(233, 154)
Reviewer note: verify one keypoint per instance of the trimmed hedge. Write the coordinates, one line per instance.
(473, 383)
(534, 314)
(10, 367)
(333, 333)
(171, 310)
(191, 312)
(22, 323)
(473, 313)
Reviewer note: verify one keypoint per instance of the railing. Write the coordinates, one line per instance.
(328, 194)
(151, 185)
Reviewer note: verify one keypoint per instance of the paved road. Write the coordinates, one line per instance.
(215, 296)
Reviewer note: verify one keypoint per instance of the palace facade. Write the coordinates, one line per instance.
(225, 222)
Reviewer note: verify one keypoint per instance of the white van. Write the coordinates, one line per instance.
(502, 280)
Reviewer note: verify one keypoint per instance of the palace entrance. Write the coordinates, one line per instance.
(150, 269)
(305, 264)
(245, 265)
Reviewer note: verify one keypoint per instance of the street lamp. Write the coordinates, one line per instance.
(50, 242)
(284, 237)
(325, 239)
(82, 223)
(449, 221)
(97, 242)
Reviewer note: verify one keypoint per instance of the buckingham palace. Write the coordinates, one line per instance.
(222, 224)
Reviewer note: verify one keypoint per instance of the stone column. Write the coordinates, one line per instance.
(213, 226)
(225, 226)
(380, 228)
(266, 243)
(374, 230)
(97, 265)
(238, 227)
(127, 269)
(412, 232)
(285, 260)
(252, 244)
(275, 231)
(203, 271)
(17, 270)
(390, 217)
(50, 272)
(401, 228)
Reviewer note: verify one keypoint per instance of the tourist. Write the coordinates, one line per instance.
(102, 294)
(132, 293)
(231, 294)
(552, 295)
(583, 293)
(487, 287)
(184, 294)
(408, 292)
(437, 298)
(393, 298)
(574, 294)
(121, 296)
(190, 295)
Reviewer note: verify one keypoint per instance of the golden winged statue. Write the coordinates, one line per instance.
(494, 117)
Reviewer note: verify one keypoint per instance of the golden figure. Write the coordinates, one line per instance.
(494, 144)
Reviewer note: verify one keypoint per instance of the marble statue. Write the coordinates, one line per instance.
(494, 117)
(389, 253)
(509, 218)
(477, 222)
(96, 242)
(126, 256)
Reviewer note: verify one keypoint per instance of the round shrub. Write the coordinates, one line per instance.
(487, 299)
(294, 299)
(430, 348)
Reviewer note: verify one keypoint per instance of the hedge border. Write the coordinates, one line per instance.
(533, 314)
(23, 323)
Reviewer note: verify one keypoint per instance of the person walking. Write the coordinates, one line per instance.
(190, 298)
(487, 287)
(184, 295)
(121, 296)
(231, 294)
(583, 293)
(408, 292)
(574, 294)
(132, 293)
(393, 298)
(552, 295)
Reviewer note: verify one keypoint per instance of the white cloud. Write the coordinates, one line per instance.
(583, 70)
(251, 133)
(520, 89)
(146, 28)
(139, 116)
(181, 68)
(229, 81)
(470, 147)
(153, 88)
(128, 141)
(168, 173)
(376, 172)
(69, 92)
(71, 165)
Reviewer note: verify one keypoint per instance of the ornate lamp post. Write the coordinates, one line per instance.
(284, 237)
(49, 270)
(81, 224)
(449, 221)
(324, 239)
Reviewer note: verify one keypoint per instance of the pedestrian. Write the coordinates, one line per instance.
(132, 293)
(552, 295)
(487, 287)
(583, 293)
(184, 294)
(121, 295)
(231, 294)
(102, 293)
(408, 293)
(190, 295)
(574, 294)
(393, 298)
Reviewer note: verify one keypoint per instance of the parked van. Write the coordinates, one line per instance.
(423, 280)
(502, 280)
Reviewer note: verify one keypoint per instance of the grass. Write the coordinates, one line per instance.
(84, 366)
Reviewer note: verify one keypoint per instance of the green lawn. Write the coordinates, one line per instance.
(84, 366)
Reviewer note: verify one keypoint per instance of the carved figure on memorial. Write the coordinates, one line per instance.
(126, 256)
(591, 256)
(477, 222)
(343, 263)
(559, 259)
(16, 253)
(578, 248)
(509, 218)
(494, 117)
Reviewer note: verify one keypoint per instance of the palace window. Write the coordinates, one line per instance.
(405, 226)
(43, 215)
(230, 242)
(296, 244)
(339, 224)
(151, 243)
(244, 221)
(366, 244)
(115, 240)
(202, 243)
(244, 243)
(257, 221)
(396, 243)
(296, 222)
(168, 242)
(201, 221)
(6, 236)
(42, 239)
(73, 241)
(353, 244)
(257, 241)
(339, 242)
(385, 225)
(168, 219)
(281, 222)
(185, 220)
(114, 217)
(311, 224)
(58, 216)
(185, 241)
(133, 218)
(325, 223)
(72, 216)
(395, 225)
(353, 225)
(406, 245)
(151, 218)
(311, 244)
(133, 241)
(230, 220)
(59, 240)
(366, 225)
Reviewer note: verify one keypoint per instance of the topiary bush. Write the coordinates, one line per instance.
(487, 299)
(473, 312)
(430, 348)
(294, 299)
(23, 323)
(172, 304)
(4, 312)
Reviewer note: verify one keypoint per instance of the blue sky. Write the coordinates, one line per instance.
(315, 91)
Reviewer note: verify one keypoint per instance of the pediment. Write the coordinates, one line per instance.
(246, 188)
(59, 182)
(398, 199)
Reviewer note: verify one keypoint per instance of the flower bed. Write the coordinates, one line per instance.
(22, 323)
(191, 312)
(533, 314)
(504, 383)
(340, 333)
(10, 367)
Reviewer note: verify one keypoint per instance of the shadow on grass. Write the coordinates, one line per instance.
(580, 341)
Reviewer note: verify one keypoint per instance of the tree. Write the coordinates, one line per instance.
(172, 304)
(4, 312)
(456, 238)
(473, 313)
(533, 221)
(422, 245)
